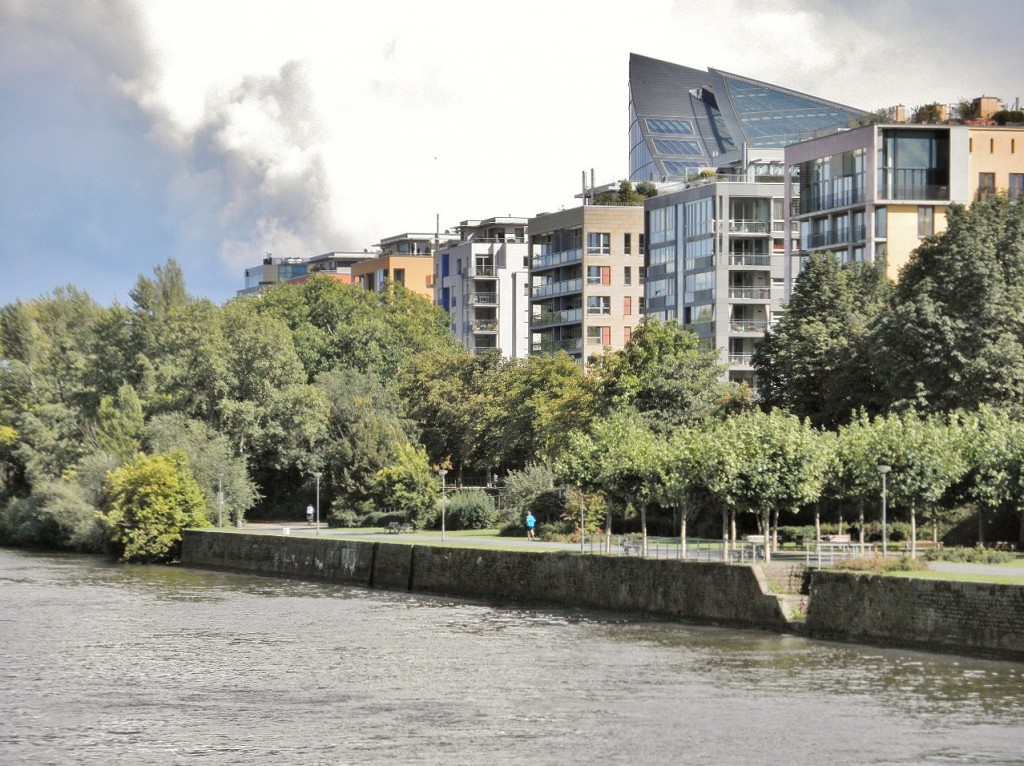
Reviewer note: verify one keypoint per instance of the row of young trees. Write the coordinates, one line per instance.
(252, 398)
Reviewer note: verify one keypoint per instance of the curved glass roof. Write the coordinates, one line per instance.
(691, 119)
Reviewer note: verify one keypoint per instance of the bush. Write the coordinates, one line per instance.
(879, 565)
(978, 555)
(56, 515)
(521, 488)
(383, 518)
(469, 509)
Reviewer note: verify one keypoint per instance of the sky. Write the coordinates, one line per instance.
(214, 132)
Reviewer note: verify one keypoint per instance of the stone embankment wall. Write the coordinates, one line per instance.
(958, 616)
(702, 591)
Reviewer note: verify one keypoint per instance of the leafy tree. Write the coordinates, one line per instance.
(954, 339)
(665, 374)
(119, 423)
(212, 462)
(148, 502)
(407, 485)
(522, 486)
(57, 514)
(763, 463)
(993, 443)
(815, 361)
(469, 509)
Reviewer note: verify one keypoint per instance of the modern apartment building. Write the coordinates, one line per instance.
(404, 259)
(715, 262)
(275, 271)
(482, 281)
(586, 279)
(873, 193)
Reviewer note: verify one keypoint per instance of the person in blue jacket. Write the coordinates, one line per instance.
(531, 522)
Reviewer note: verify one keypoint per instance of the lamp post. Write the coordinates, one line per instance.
(884, 470)
(318, 475)
(443, 472)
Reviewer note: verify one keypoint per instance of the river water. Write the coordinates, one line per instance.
(108, 664)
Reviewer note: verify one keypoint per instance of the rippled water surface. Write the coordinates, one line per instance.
(154, 665)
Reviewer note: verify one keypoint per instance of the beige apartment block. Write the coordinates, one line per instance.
(586, 279)
(415, 272)
(874, 193)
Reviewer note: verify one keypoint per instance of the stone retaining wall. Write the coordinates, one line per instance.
(951, 615)
(684, 589)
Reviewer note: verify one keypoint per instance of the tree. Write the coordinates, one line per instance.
(407, 485)
(993, 442)
(954, 338)
(665, 374)
(815, 361)
(147, 504)
(119, 423)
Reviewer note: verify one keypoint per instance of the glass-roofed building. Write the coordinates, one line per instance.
(684, 120)
(715, 142)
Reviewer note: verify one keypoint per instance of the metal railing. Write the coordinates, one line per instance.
(748, 325)
(740, 226)
(482, 271)
(569, 316)
(750, 293)
(558, 288)
(483, 298)
(569, 345)
(547, 260)
(746, 259)
(741, 360)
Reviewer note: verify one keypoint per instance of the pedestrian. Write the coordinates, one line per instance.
(531, 522)
(309, 514)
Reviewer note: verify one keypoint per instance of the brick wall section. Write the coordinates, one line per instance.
(963, 616)
(701, 591)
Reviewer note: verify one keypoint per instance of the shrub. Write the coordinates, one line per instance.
(521, 488)
(383, 518)
(56, 515)
(469, 509)
(978, 555)
(879, 565)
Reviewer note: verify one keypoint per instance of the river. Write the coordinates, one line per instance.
(109, 664)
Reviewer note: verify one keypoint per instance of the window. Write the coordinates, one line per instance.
(599, 304)
(593, 275)
(627, 334)
(400, 276)
(627, 274)
(642, 243)
(925, 221)
(627, 244)
(643, 304)
(599, 242)
(642, 273)
(599, 336)
(881, 222)
(1016, 190)
(986, 185)
(627, 306)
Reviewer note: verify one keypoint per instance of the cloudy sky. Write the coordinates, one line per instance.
(214, 131)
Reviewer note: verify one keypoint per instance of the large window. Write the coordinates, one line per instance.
(986, 185)
(1016, 189)
(925, 221)
(599, 304)
(593, 275)
(599, 243)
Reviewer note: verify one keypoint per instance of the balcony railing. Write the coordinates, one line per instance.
(569, 345)
(482, 271)
(547, 260)
(569, 316)
(828, 201)
(749, 325)
(483, 299)
(750, 293)
(478, 350)
(484, 325)
(836, 237)
(740, 226)
(558, 288)
(741, 360)
(745, 259)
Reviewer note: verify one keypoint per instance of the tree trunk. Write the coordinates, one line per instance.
(860, 523)
(913, 532)
(817, 524)
(608, 526)
(682, 532)
(643, 529)
(981, 525)
(725, 534)
(732, 527)
(765, 515)
(935, 526)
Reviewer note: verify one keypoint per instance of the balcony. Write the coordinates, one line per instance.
(569, 316)
(745, 259)
(815, 204)
(549, 260)
(836, 237)
(483, 299)
(750, 293)
(741, 360)
(483, 325)
(558, 288)
(754, 326)
(739, 226)
(482, 271)
(480, 350)
(569, 345)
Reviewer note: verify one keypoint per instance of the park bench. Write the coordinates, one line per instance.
(756, 539)
(835, 538)
(397, 527)
(632, 546)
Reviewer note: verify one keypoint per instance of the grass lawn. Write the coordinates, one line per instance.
(964, 576)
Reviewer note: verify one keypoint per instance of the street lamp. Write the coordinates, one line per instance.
(884, 470)
(443, 472)
(318, 475)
